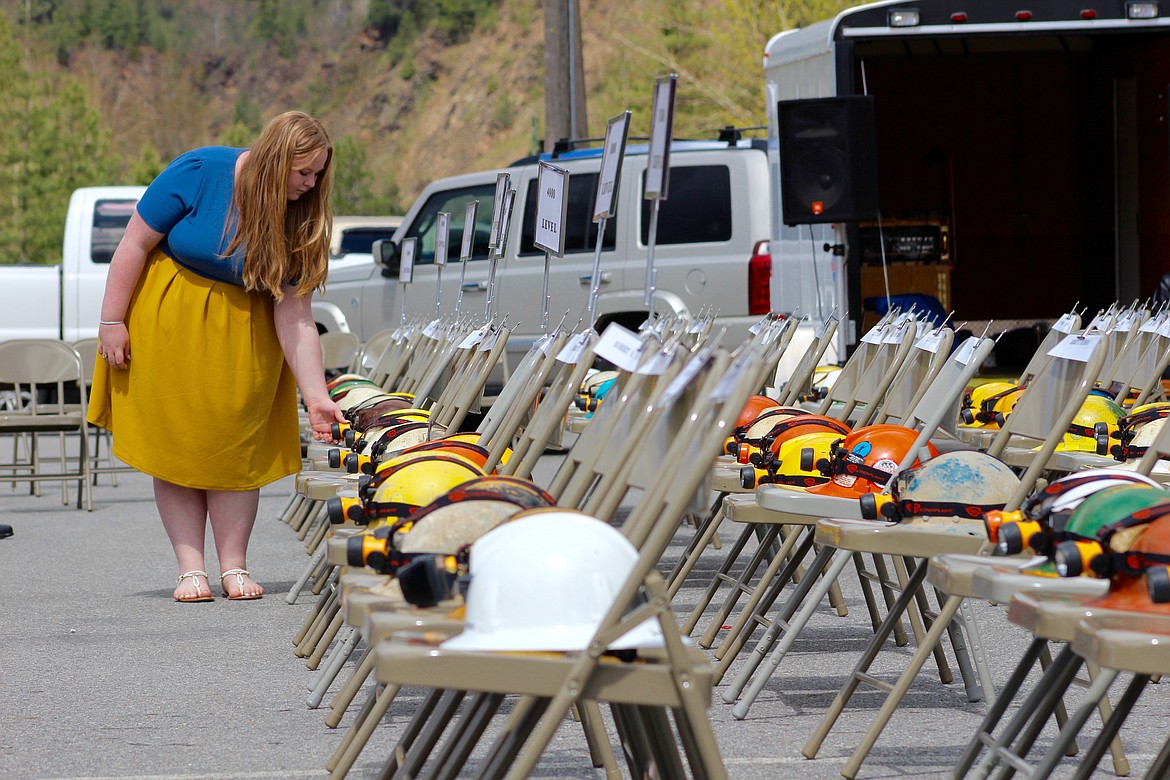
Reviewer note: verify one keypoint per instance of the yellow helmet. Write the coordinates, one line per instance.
(1092, 427)
(979, 403)
(795, 462)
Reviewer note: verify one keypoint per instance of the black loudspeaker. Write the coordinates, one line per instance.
(828, 160)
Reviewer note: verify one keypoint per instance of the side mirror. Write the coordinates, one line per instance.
(386, 254)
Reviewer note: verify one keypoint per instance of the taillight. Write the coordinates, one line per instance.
(760, 279)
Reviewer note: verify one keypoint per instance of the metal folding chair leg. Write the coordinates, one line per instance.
(307, 574)
(311, 619)
(778, 573)
(706, 531)
(813, 587)
(896, 692)
(349, 689)
(326, 639)
(321, 624)
(997, 708)
(741, 584)
(359, 733)
(1108, 738)
(333, 663)
(419, 740)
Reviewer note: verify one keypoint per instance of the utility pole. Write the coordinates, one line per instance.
(564, 73)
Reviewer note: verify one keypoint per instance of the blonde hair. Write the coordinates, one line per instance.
(284, 242)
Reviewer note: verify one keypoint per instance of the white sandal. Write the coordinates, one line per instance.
(239, 574)
(194, 576)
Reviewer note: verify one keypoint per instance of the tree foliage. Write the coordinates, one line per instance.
(52, 141)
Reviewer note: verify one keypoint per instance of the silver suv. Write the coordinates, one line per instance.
(710, 253)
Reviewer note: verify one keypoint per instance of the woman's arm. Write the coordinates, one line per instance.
(125, 268)
(301, 343)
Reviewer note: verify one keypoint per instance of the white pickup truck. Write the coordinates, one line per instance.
(64, 301)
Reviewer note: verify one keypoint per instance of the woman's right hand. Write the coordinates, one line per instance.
(114, 345)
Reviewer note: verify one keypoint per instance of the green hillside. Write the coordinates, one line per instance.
(106, 91)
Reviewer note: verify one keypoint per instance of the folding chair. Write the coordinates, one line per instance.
(925, 364)
(880, 354)
(659, 417)
(100, 463)
(551, 685)
(1043, 413)
(44, 368)
(1048, 620)
(339, 349)
(778, 507)
(1130, 642)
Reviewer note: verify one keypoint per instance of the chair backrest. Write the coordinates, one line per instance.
(87, 349)
(1049, 403)
(338, 350)
(1139, 368)
(916, 374)
(939, 404)
(878, 375)
(40, 361)
(1066, 324)
(371, 350)
(572, 365)
(800, 381)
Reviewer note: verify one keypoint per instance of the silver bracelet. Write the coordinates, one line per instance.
(115, 322)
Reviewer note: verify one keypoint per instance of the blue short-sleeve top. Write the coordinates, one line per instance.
(188, 202)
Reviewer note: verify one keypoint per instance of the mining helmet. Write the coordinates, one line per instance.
(962, 483)
(1044, 507)
(864, 460)
(1092, 426)
(543, 582)
(794, 463)
(978, 407)
(1138, 429)
(1115, 550)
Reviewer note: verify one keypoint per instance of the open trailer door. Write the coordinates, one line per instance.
(1022, 156)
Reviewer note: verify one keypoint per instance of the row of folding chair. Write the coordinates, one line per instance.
(672, 681)
(1055, 397)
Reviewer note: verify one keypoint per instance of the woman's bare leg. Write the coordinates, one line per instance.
(184, 516)
(233, 513)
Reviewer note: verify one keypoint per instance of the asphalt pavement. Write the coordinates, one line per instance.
(103, 675)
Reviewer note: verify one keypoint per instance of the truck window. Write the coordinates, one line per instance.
(697, 209)
(110, 218)
(580, 230)
(361, 240)
(455, 203)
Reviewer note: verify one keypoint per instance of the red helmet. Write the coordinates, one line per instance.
(865, 459)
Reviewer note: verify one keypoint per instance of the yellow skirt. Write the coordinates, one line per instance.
(208, 401)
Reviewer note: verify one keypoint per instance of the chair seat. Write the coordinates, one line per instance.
(785, 499)
(646, 682)
(1128, 641)
(915, 538)
(1000, 584)
(954, 573)
(18, 422)
(384, 624)
(726, 478)
(1050, 616)
(337, 546)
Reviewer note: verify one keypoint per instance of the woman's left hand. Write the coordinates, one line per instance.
(322, 414)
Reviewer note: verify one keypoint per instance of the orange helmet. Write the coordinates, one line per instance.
(865, 460)
(753, 408)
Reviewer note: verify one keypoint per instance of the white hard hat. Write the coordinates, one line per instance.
(544, 581)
